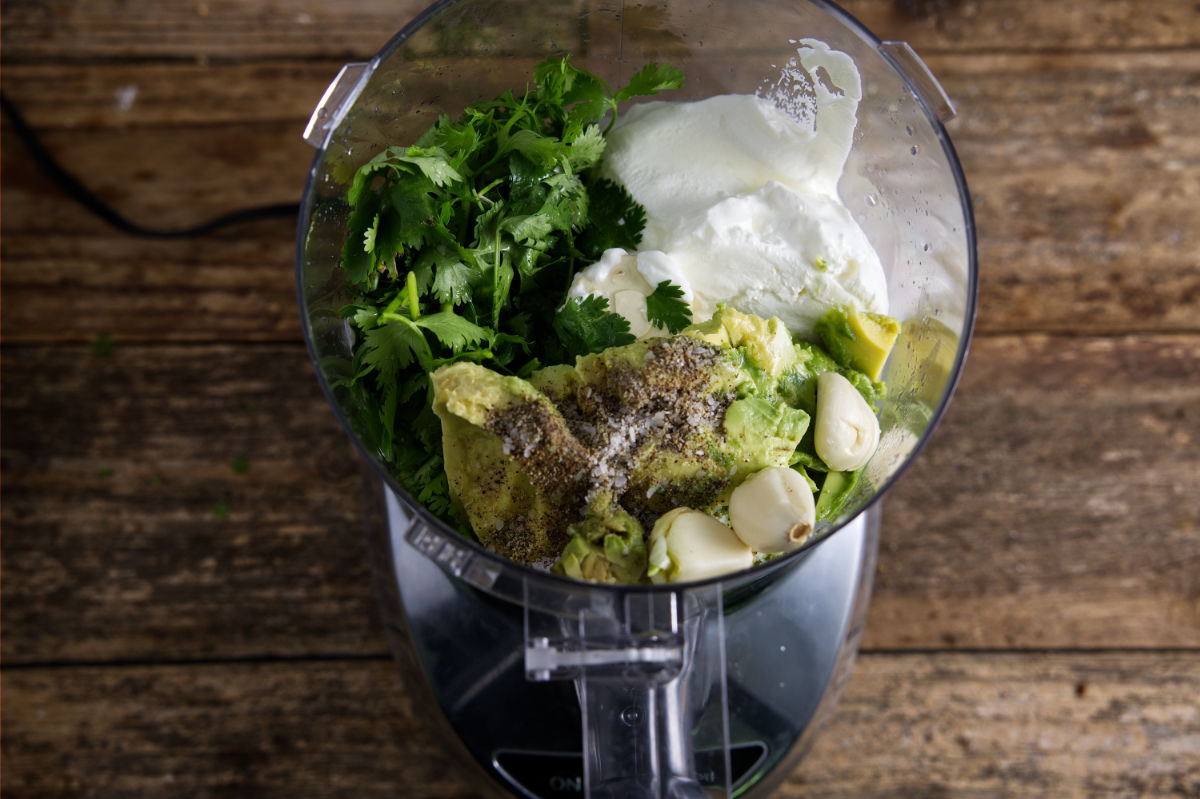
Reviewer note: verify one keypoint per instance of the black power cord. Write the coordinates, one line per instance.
(85, 197)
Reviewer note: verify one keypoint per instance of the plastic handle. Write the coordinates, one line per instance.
(646, 667)
(336, 101)
(924, 84)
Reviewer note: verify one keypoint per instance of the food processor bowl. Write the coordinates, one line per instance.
(664, 684)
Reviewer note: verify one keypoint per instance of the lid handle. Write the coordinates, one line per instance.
(924, 84)
(336, 102)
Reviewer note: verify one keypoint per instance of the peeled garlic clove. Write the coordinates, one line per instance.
(773, 510)
(846, 431)
(687, 545)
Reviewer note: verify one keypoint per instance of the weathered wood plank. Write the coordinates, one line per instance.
(1096, 238)
(908, 725)
(125, 95)
(161, 177)
(124, 509)
(1085, 179)
(312, 729)
(235, 285)
(226, 29)
(1012, 725)
(1057, 502)
(1055, 507)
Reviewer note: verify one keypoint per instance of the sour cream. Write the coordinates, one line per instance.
(742, 204)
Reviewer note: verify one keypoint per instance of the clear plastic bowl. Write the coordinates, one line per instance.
(902, 182)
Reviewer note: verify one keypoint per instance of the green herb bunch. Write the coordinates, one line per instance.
(462, 247)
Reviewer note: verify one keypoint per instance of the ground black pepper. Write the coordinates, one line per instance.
(613, 433)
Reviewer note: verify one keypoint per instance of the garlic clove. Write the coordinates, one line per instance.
(687, 545)
(846, 431)
(773, 510)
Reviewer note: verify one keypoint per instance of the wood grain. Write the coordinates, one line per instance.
(124, 95)
(1070, 725)
(176, 625)
(124, 513)
(1083, 169)
(908, 725)
(227, 29)
(1085, 178)
(1059, 490)
(1056, 505)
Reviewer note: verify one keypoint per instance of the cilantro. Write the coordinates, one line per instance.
(586, 325)
(665, 307)
(652, 79)
(614, 219)
(452, 277)
(461, 245)
(240, 464)
(587, 148)
(104, 471)
(220, 510)
(102, 345)
(454, 331)
(393, 346)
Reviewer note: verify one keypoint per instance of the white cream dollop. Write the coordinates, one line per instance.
(742, 205)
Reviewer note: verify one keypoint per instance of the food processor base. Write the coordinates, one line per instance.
(788, 645)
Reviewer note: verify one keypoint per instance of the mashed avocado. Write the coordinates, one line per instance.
(575, 464)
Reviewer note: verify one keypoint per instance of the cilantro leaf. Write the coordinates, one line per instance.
(454, 331)
(356, 259)
(665, 307)
(442, 270)
(371, 234)
(530, 228)
(614, 219)
(433, 163)
(365, 177)
(452, 282)
(651, 79)
(410, 206)
(102, 345)
(585, 325)
(587, 147)
(533, 145)
(454, 137)
(393, 346)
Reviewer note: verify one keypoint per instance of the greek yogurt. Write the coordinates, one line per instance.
(742, 206)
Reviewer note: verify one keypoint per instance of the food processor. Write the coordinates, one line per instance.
(553, 687)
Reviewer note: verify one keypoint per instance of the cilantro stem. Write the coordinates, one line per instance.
(414, 306)
(479, 195)
(496, 300)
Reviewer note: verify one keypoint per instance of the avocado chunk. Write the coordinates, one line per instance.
(766, 342)
(512, 463)
(924, 360)
(585, 451)
(857, 339)
(573, 465)
(609, 546)
(763, 433)
(834, 493)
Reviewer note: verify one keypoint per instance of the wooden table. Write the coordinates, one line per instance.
(186, 606)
